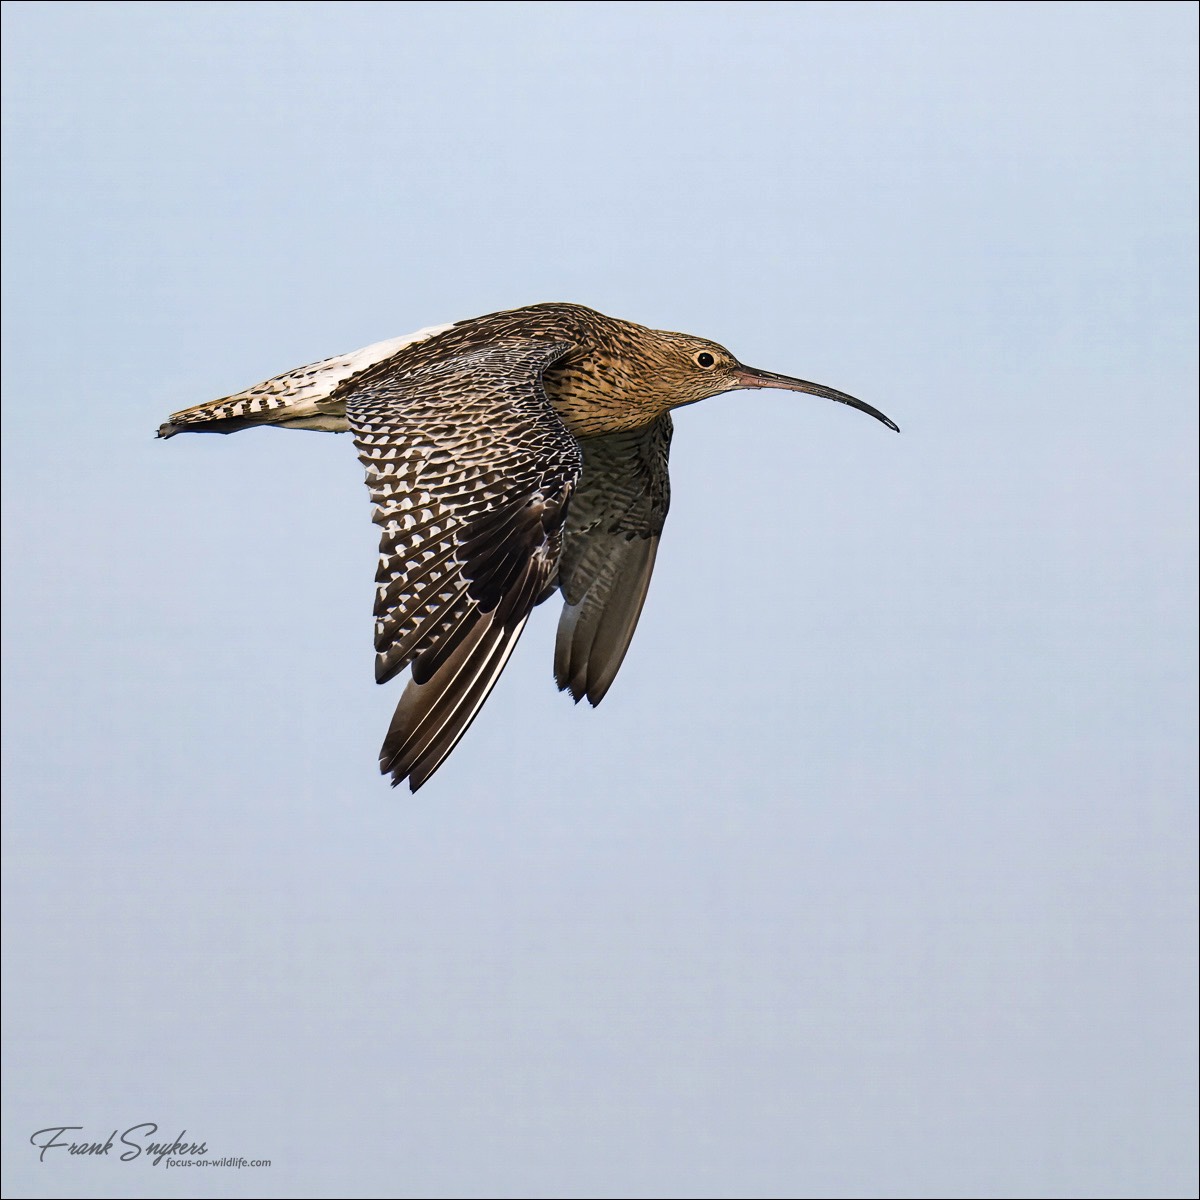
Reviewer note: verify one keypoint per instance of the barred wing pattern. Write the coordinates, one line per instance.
(613, 527)
(471, 472)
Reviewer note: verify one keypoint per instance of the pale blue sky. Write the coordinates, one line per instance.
(874, 875)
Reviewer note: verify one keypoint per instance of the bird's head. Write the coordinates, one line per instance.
(693, 369)
(622, 375)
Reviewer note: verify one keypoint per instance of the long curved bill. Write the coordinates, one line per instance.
(748, 377)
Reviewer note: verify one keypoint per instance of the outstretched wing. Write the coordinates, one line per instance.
(470, 470)
(609, 545)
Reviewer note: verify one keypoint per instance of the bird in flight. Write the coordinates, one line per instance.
(508, 457)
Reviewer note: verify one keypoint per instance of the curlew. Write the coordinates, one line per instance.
(507, 456)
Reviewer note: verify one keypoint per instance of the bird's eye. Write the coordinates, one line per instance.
(704, 359)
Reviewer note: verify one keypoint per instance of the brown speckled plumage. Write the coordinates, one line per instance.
(507, 456)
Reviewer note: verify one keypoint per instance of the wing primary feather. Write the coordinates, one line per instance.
(522, 597)
(432, 717)
(427, 663)
(595, 633)
(423, 707)
(391, 661)
(437, 750)
(609, 546)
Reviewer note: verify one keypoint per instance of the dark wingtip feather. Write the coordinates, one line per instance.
(594, 633)
(432, 717)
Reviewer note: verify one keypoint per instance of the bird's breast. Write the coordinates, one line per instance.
(594, 399)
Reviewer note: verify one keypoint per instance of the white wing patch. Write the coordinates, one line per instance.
(316, 381)
(298, 399)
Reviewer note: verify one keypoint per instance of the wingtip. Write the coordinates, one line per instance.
(398, 777)
(581, 687)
